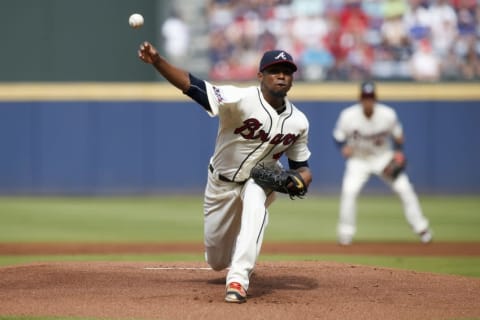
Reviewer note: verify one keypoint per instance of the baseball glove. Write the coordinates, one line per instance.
(395, 167)
(289, 182)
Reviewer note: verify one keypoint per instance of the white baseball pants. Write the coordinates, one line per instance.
(357, 173)
(235, 218)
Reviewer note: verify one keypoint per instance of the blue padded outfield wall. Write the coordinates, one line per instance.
(121, 146)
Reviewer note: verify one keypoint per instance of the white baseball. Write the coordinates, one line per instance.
(135, 20)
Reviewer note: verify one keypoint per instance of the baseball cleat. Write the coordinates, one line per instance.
(344, 240)
(426, 236)
(235, 293)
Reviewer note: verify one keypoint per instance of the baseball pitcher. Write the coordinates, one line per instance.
(257, 125)
(370, 137)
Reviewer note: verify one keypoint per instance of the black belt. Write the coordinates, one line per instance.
(222, 177)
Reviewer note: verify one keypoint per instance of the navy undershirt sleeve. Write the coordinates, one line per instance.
(198, 92)
(397, 146)
(339, 144)
(297, 164)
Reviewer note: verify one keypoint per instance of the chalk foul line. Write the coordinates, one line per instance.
(176, 268)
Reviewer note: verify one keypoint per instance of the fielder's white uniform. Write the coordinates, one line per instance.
(250, 132)
(370, 139)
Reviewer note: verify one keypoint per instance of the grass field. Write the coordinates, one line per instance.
(179, 218)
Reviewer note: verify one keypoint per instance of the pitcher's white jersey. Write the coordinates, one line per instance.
(251, 131)
(368, 136)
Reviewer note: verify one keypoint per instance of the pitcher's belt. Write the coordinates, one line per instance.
(222, 177)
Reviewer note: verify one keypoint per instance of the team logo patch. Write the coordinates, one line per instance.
(218, 94)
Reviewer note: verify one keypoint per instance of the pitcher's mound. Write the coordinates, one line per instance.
(282, 290)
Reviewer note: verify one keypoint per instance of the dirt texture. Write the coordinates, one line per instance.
(279, 290)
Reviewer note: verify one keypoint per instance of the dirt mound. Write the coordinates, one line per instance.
(283, 290)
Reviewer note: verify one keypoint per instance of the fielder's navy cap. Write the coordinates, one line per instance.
(367, 90)
(276, 56)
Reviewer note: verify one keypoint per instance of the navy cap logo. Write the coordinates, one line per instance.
(276, 56)
(368, 89)
(281, 55)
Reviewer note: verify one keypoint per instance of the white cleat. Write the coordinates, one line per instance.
(344, 241)
(426, 236)
(235, 293)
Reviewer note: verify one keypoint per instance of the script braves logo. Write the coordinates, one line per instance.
(377, 139)
(281, 55)
(251, 130)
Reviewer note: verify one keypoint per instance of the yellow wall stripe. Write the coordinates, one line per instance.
(163, 91)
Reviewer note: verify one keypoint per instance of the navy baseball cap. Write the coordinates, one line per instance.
(275, 57)
(367, 90)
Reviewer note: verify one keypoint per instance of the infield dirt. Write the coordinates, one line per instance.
(279, 290)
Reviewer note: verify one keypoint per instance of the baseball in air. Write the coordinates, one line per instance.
(136, 20)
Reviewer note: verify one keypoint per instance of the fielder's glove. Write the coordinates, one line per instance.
(289, 182)
(395, 166)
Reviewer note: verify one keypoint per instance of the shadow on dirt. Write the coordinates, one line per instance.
(261, 285)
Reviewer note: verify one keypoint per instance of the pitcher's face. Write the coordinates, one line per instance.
(277, 80)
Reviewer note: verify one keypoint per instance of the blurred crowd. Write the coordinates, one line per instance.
(423, 40)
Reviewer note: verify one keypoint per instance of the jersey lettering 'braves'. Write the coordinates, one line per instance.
(250, 127)
(251, 131)
(367, 136)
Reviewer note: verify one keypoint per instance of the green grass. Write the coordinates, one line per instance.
(7, 260)
(101, 219)
(380, 218)
(180, 218)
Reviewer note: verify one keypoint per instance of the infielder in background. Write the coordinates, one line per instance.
(257, 125)
(370, 137)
